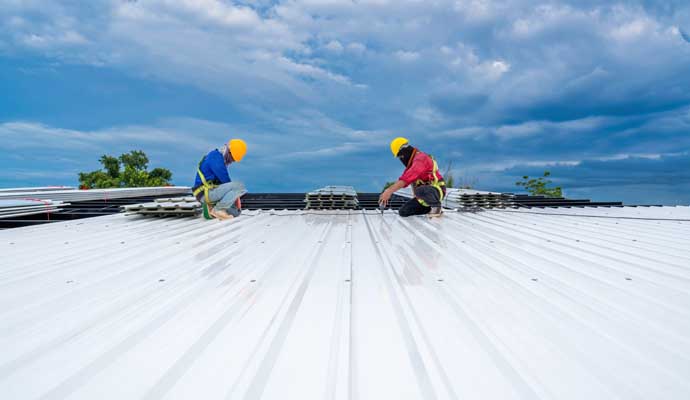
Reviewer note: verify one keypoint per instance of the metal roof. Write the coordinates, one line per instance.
(350, 304)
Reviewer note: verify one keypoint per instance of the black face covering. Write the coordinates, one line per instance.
(405, 154)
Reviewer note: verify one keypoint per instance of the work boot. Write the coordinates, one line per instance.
(220, 214)
(435, 212)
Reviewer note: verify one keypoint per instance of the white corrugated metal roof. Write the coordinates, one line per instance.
(339, 305)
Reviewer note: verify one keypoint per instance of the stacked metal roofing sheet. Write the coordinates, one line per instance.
(18, 208)
(36, 189)
(95, 194)
(166, 207)
(472, 199)
(332, 198)
(499, 304)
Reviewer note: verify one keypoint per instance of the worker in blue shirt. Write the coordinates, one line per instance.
(219, 196)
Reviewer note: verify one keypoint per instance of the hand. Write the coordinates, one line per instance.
(385, 197)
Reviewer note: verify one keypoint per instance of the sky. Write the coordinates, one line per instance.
(598, 93)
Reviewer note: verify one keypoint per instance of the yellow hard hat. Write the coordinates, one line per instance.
(396, 144)
(238, 148)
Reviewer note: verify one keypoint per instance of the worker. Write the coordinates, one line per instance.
(219, 196)
(421, 171)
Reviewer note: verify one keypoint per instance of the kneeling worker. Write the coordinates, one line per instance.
(421, 171)
(220, 196)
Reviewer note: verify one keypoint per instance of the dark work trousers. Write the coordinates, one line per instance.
(428, 194)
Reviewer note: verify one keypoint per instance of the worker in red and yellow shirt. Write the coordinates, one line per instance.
(421, 171)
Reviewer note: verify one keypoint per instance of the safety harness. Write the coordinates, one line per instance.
(205, 187)
(434, 182)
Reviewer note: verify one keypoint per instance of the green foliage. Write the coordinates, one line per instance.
(136, 159)
(134, 174)
(539, 186)
(388, 184)
(111, 165)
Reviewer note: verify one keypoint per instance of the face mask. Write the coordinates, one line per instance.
(405, 154)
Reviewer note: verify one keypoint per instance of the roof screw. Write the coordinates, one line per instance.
(122, 242)
(634, 240)
(69, 282)
(11, 242)
(440, 280)
(535, 279)
(347, 280)
(253, 280)
(161, 280)
(66, 242)
(628, 279)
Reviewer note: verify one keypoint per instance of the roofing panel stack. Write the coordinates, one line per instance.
(178, 207)
(332, 198)
(36, 189)
(473, 199)
(96, 194)
(20, 208)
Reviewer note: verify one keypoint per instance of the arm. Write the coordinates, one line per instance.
(388, 193)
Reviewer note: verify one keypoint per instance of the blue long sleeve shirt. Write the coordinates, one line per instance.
(214, 169)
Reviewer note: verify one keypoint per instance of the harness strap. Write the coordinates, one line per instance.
(205, 186)
(434, 182)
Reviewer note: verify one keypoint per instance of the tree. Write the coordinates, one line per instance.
(539, 186)
(134, 174)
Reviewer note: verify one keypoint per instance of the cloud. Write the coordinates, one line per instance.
(407, 56)
(334, 46)
(684, 35)
(48, 151)
(488, 84)
(357, 48)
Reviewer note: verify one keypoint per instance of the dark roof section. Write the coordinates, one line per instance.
(524, 200)
(295, 201)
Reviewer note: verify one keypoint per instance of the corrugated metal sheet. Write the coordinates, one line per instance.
(95, 194)
(340, 305)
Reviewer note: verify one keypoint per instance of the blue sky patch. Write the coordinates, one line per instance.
(598, 94)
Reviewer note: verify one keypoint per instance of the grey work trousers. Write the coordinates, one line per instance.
(224, 197)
